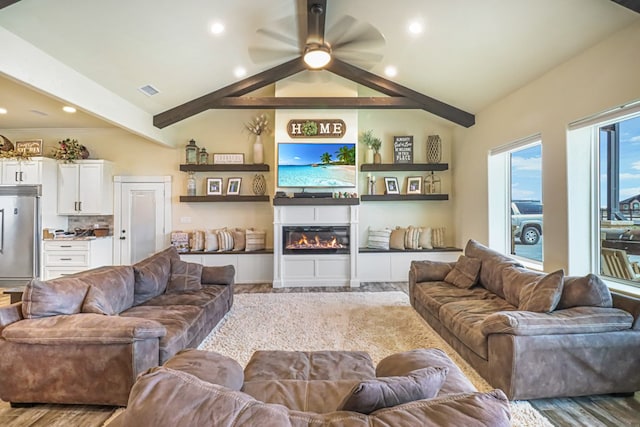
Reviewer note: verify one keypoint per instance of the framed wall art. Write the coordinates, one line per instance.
(391, 185)
(414, 185)
(214, 186)
(31, 147)
(233, 186)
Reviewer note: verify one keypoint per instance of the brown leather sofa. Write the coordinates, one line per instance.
(84, 338)
(327, 388)
(582, 340)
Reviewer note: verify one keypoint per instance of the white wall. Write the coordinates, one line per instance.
(598, 79)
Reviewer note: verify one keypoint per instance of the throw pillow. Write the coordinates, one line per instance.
(430, 271)
(255, 240)
(96, 302)
(542, 295)
(185, 276)
(370, 395)
(238, 239)
(425, 238)
(196, 240)
(225, 240)
(396, 241)
(379, 239)
(437, 237)
(211, 240)
(412, 237)
(465, 273)
(516, 278)
(585, 291)
(63, 295)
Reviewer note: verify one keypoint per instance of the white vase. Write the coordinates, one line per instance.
(258, 151)
(369, 156)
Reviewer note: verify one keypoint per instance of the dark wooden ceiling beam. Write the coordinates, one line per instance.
(240, 88)
(629, 4)
(5, 3)
(390, 88)
(329, 103)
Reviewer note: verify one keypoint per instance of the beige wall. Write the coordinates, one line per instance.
(600, 78)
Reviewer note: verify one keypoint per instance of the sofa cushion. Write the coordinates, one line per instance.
(514, 279)
(427, 271)
(64, 295)
(152, 275)
(493, 263)
(465, 273)
(543, 294)
(219, 275)
(434, 295)
(208, 366)
(116, 282)
(464, 320)
(378, 393)
(577, 320)
(96, 302)
(587, 291)
(185, 276)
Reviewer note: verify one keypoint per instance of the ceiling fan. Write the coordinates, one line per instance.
(349, 39)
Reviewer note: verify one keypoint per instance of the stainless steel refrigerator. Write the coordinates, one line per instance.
(19, 234)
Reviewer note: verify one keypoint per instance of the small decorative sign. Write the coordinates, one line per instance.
(403, 149)
(316, 128)
(228, 158)
(32, 147)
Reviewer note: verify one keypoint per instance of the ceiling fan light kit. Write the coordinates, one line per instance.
(317, 56)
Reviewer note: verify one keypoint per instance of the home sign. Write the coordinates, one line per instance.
(316, 128)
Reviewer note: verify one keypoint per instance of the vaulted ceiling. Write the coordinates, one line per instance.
(467, 55)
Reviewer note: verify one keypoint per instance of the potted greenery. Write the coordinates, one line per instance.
(373, 147)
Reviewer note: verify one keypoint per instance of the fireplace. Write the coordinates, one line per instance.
(314, 239)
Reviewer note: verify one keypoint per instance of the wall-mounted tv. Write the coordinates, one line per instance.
(307, 164)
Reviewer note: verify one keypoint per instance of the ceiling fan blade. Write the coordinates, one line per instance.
(316, 17)
(364, 60)
(338, 30)
(275, 35)
(260, 55)
(362, 35)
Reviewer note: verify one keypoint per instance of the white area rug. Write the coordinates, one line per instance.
(381, 323)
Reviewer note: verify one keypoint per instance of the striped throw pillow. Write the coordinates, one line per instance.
(379, 239)
(412, 238)
(437, 237)
(255, 240)
(225, 240)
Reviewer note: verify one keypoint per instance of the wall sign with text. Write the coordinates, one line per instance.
(403, 149)
(316, 128)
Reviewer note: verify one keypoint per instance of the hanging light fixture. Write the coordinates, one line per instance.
(317, 56)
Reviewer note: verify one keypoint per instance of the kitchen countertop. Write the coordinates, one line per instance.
(59, 238)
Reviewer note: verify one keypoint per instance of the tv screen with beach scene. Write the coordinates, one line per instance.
(320, 165)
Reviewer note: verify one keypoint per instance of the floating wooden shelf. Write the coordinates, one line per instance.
(230, 198)
(383, 167)
(224, 168)
(402, 197)
(304, 201)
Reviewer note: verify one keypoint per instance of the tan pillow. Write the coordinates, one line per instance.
(185, 276)
(238, 239)
(255, 240)
(196, 240)
(437, 237)
(430, 271)
(396, 241)
(412, 238)
(542, 295)
(425, 238)
(585, 291)
(465, 273)
(225, 240)
(370, 395)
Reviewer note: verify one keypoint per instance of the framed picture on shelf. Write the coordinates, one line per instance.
(391, 185)
(214, 186)
(32, 147)
(233, 186)
(414, 185)
(228, 158)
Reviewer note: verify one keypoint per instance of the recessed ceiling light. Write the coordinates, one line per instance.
(68, 109)
(3, 111)
(239, 72)
(415, 27)
(148, 90)
(391, 71)
(217, 28)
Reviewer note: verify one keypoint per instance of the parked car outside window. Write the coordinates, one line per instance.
(526, 219)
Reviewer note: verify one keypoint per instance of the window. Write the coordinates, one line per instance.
(619, 191)
(515, 200)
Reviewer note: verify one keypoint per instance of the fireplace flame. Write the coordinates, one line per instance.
(315, 243)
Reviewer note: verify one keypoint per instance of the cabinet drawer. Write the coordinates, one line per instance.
(66, 258)
(55, 272)
(71, 245)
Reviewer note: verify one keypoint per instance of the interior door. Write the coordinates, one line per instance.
(141, 220)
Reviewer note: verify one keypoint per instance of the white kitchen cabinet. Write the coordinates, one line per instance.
(63, 257)
(85, 188)
(27, 172)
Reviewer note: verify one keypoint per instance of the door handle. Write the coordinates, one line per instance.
(122, 235)
(21, 173)
(15, 176)
(79, 206)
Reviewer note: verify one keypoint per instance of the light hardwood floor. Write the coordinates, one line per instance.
(590, 411)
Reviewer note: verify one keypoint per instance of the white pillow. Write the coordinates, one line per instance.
(211, 240)
(379, 239)
(425, 238)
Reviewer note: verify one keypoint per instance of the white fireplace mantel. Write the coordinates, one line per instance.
(300, 270)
